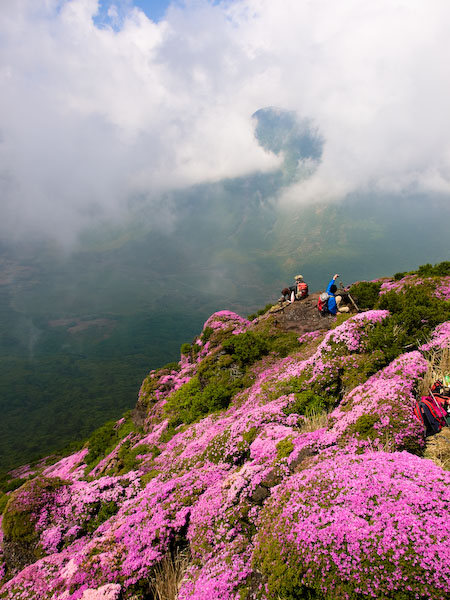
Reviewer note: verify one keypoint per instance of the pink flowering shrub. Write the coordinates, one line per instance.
(226, 319)
(442, 290)
(401, 284)
(440, 338)
(381, 409)
(440, 286)
(110, 591)
(332, 368)
(71, 467)
(221, 576)
(309, 335)
(369, 526)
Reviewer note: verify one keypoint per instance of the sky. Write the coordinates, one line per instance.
(106, 105)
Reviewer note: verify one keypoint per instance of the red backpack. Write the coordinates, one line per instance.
(322, 304)
(433, 413)
(302, 289)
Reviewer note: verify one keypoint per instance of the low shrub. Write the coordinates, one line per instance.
(307, 403)
(246, 348)
(105, 439)
(23, 508)
(439, 270)
(102, 512)
(185, 349)
(3, 502)
(192, 401)
(258, 313)
(364, 426)
(355, 527)
(284, 448)
(127, 456)
(365, 293)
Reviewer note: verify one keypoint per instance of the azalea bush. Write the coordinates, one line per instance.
(370, 526)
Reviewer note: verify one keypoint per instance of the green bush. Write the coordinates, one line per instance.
(106, 438)
(364, 426)
(3, 502)
(399, 276)
(11, 485)
(284, 448)
(261, 311)
(102, 511)
(192, 401)
(438, 270)
(102, 439)
(307, 402)
(172, 366)
(206, 334)
(365, 293)
(246, 348)
(23, 507)
(185, 349)
(127, 456)
(414, 314)
(283, 344)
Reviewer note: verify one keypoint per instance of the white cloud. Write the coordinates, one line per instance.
(92, 116)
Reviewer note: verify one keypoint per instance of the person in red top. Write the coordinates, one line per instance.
(302, 289)
(298, 291)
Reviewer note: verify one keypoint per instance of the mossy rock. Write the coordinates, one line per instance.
(21, 538)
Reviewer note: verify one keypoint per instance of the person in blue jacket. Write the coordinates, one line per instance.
(334, 301)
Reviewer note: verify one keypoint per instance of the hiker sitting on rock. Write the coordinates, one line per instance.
(295, 292)
(335, 301)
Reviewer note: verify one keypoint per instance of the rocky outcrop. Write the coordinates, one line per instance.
(301, 316)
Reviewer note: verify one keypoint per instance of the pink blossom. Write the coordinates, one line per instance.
(110, 591)
(440, 338)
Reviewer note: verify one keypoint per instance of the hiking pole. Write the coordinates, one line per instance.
(353, 302)
(355, 306)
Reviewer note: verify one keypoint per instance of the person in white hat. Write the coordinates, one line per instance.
(298, 291)
(302, 290)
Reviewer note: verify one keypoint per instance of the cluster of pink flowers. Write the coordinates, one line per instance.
(440, 338)
(401, 284)
(110, 591)
(226, 319)
(28, 471)
(440, 286)
(69, 468)
(388, 395)
(373, 525)
(442, 290)
(309, 335)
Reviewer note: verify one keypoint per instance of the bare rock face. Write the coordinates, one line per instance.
(301, 316)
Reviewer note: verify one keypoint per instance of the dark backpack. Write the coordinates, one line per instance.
(322, 304)
(428, 413)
